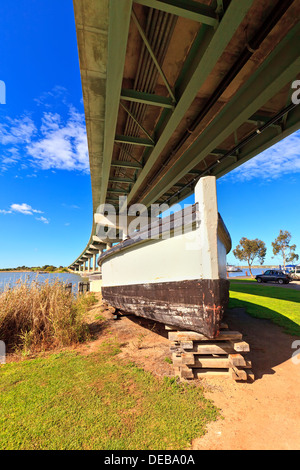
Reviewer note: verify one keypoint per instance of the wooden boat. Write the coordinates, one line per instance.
(180, 279)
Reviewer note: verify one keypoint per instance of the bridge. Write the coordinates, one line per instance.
(179, 89)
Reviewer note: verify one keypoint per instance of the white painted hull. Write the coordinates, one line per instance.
(179, 280)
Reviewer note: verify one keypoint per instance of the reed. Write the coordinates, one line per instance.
(37, 316)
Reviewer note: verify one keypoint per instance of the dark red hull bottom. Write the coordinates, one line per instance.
(196, 305)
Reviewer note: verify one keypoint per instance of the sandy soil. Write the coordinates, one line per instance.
(264, 414)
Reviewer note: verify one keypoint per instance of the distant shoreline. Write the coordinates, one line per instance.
(36, 272)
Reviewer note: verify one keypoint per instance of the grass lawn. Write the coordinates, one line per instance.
(73, 401)
(278, 304)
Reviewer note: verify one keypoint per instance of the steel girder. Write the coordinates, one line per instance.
(281, 67)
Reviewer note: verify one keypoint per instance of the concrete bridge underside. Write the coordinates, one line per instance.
(178, 89)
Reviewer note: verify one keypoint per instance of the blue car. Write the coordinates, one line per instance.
(273, 275)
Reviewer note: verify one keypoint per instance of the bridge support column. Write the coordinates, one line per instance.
(100, 253)
(94, 262)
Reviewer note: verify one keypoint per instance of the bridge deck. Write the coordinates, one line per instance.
(175, 90)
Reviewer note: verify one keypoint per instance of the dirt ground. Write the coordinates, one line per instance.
(261, 415)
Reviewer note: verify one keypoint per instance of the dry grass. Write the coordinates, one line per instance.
(37, 316)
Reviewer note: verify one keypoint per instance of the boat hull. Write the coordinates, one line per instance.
(193, 304)
(174, 270)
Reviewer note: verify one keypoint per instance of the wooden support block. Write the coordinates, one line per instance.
(183, 358)
(237, 374)
(202, 373)
(237, 360)
(223, 326)
(187, 344)
(195, 356)
(218, 347)
(240, 346)
(175, 346)
(210, 362)
(171, 328)
(250, 375)
(186, 372)
(184, 336)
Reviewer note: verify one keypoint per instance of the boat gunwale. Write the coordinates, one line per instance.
(172, 222)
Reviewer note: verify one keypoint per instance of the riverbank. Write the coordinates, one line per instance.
(39, 316)
(11, 278)
(94, 397)
(118, 391)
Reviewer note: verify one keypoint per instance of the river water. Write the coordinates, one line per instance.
(246, 272)
(9, 279)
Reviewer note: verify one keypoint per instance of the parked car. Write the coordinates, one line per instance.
(273, 275)
(295, 273)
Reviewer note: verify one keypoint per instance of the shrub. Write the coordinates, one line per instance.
(35, 316)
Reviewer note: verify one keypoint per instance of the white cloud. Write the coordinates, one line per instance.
(63, 145)
(43, 219)
(24, 209)
(3, 211)
(70, 206)
(281, 159)
(15, 131)
(57, 142)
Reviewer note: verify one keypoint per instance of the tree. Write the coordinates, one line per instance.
(50, 269)
(282, 246)
(248, 250)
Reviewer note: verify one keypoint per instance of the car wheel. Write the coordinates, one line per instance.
(259, 279)
(280, 281)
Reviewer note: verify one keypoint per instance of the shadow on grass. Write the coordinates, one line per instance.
(265, 313)
(273, 292)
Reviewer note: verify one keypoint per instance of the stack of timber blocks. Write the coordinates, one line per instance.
(195, 356)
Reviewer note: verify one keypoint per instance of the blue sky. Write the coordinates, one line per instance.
(45, 196)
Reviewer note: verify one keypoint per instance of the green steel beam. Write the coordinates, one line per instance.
(185, 8)
(127, 139)
(117, 191)
(150, 50)
(116, 179)
(218, 152)
(220, 7)
(120, 164)
(257, 118)
(112, 198)
(137, 122)
(281, 67)
(118, 30)
(124, 150)
(262, 142)
(147, 98)
(208, 54)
